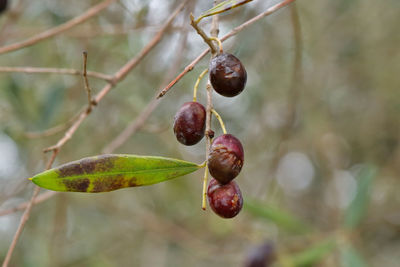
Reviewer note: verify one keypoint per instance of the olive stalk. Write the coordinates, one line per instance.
(196, 85)
(219, 118)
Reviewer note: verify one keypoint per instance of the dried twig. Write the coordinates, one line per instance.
(233, 32)
(117, 77)
(53, 130)
(34, 70)
(140, 120)
(26, 214)
(87, 87)
(22, 206)
(203, 35)
(58, 29)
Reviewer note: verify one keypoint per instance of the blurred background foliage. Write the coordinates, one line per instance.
(322, 155)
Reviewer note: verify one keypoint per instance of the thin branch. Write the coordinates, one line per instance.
(140, 120)
(203, 35)
(39, 199)
(58, 29)
(208, 132)
(34, 70)
(26, 214)
(55, 129)
(87, 87)
(233, 32)
(118, 76)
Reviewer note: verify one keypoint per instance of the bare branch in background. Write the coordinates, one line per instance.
(33, 70)
(58, 29)
(87, 86)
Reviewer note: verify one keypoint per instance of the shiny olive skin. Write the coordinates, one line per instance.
(3, 5)
(226, 158)
(225, 200)
(227, 75)
(189, 123)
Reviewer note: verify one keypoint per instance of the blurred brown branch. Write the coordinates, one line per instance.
(58, 29)
(34, 70)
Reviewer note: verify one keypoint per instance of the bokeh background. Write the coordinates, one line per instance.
(319, 121)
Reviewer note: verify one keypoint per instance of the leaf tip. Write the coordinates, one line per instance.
(30, 179)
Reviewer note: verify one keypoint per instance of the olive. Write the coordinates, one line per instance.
(227, 75)
(226, 158)
(261, 256)
(189, 123)
(225, 200)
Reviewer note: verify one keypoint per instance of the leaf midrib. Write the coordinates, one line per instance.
(122, 172)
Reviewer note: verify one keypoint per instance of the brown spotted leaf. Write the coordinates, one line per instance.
(222, 7)
(110, 172)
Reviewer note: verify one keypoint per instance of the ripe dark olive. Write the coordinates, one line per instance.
(225, 200)
(3, 5)
(226, 158)
(261, 256)
(189, 123)
(227, 75)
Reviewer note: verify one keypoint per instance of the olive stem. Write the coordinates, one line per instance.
(196, 85)
(205, 180)
(221, 50)
(221, 122)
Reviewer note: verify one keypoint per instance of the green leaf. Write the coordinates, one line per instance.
(349, 257)
(357, 208)
(222, 7)
(110, 172)
(313, 254)
(281, 218)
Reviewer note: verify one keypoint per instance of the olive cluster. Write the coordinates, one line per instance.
(225, 160)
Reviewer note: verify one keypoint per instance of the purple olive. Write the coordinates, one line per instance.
(227, 75)
(226, 158)
(189, 123)
(261, 256)
(225, 200)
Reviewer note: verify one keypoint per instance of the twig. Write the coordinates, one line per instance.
(203, 35)
(233, 32)
(208, 132)
(34, 70)
(53, 130)
(22, 206)
(87, 87)
(119, 75)
(26, 214)
(140, 120)
(58, 29)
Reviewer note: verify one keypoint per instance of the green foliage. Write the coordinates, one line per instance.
(350, 257)
(312, 255)
(281, 218)
(111, 172)
(222, 7)
(358, 206)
